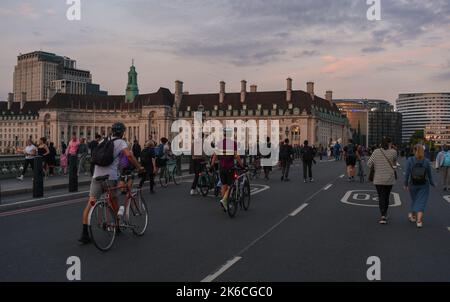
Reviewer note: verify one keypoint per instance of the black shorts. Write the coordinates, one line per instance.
(351, 161)
(227, 177)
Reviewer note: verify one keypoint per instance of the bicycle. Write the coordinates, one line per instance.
(208, 181)
(169, 172)
(104, 222)
(239, 192)
(255, 169)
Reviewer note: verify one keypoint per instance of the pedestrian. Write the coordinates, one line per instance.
(63, 159)
(72, 151)
(136, 149)
(321, 152)
(307, 155)
(43, 151)
(443, 166)
(383, 162)
(286, 158)
(92, 145)
(82, 153)
(198, 163)
(267, 168)
(418, 178)
(51, 159)
(149, 164)
(350, 159)
(30, 151)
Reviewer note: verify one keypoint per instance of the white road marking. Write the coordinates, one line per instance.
(342, 176)
(41, 207)
(447, 198)
(44, 198)
(366, 194)
(223, 269)
(301, 208)
(448, 229)
(327, 187)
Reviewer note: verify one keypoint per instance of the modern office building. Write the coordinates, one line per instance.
(39, 75)
(427, 112)
(371, 120)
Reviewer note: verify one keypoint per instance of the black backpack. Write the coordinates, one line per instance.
(103, 154)
(418, 174)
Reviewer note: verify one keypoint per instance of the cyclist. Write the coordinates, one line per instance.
(227, 154)
(96, 189)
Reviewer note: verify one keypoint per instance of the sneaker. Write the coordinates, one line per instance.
(411, 218)
(192, 192)
(311, 180)
(223, 203)
(419, 224)
(20, 177)
(383, 220)
(305, 181)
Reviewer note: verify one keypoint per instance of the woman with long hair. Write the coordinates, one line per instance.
(418, 178)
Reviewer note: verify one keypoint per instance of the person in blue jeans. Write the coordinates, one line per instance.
(418, 178)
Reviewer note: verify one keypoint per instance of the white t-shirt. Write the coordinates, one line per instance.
(113, 169)
(29, 151)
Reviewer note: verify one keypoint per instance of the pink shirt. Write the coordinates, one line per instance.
(73, 147)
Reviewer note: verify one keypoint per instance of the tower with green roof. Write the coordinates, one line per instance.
(132, 87)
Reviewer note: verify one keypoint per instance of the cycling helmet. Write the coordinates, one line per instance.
(118, 129)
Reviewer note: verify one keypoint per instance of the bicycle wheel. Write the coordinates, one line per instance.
(203, 184)
(164, 178)
(245, 198)
(102, 225)
(232, 204)
(175, 176)
(138, 214)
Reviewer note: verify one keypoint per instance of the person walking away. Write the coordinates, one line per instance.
(336, 151)
(82, 152)
(321, 152)
(383, 161)
(198, 162)
(148, 162)
(418, 178)
(350, 159)
(267, 169)
(443, 166)
(92, 145)
(286, 158)
(72, 148)
(30, 152)
(63, 159)
(103, 167)
(43, 151)
(51, 159)
(308, 159)
(136, 149)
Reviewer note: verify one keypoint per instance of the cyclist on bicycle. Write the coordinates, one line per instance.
(96, 189)
(227, 153)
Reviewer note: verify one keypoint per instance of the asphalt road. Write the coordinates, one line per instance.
(279, 239)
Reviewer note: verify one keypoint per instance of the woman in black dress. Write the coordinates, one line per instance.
(44, 151)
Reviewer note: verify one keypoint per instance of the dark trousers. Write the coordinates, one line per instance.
(285, 167)
(384, 193)
(149, 175)
(307, 169)
(197, 166)
(28, 162)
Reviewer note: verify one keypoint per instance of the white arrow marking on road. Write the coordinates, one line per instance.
(327, 187)
(301, 208)
(227, 265)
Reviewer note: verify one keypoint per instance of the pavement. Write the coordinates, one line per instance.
(321, 231)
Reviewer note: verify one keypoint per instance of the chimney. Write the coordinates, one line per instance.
(289, 90)
(10, 100)
(243, 90)
(222, 92)
(23, 100)
(310, 89)
(329, 96)
(178, 93)
(253, 88)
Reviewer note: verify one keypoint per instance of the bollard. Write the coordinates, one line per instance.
(38, 177)
(73, 173)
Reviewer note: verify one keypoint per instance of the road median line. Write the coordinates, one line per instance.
(222, 270)
(301, 208)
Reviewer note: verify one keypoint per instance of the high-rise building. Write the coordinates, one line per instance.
(371, 120)
(426, 112)
(39, 75)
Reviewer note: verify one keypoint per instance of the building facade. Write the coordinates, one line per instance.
(371, 120)
(302, 115)
(427, 112)
(39, 75)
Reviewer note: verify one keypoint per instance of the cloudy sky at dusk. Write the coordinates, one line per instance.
(263, 41)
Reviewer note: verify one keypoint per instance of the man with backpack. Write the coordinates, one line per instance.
(350, 159)
(106, 157)
(443, 166)
(307, 154)
(286, 157)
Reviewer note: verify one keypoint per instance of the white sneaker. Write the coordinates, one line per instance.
(20, 177)
(223, 204)
(192, 192)
(419, 225)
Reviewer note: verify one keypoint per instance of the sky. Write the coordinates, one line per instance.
(201, 42)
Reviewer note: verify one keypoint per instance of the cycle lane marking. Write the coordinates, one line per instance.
(222, 270)
(299, 209)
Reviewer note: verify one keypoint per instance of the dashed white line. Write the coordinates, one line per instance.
(327, 187)
(342, 176)
(223, 269)
(301, 208)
